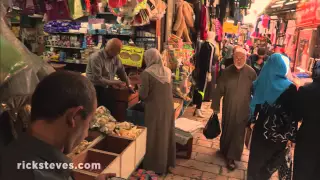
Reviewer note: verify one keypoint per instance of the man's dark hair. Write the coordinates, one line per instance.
(58, 92)
(262, 51)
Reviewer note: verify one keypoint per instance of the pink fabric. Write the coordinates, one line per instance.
(218, 30)
(203, 23)
(265, 21)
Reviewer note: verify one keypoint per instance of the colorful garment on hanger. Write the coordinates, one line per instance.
(265, 21)
(57, 10)
(218, 30)
(203, 24)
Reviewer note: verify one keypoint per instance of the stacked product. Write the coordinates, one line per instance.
(62, 26)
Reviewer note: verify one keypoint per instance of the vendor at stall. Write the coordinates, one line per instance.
(102, 69)
(63, 105)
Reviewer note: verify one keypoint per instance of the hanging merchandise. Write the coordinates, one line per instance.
(116, 3)
(230, 28)
(308, 13)
(57, 10)
(131, 56)
(76, 10)
(184, 20)
(156, 9)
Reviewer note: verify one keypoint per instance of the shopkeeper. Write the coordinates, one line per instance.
(102, 69)
(63, 105)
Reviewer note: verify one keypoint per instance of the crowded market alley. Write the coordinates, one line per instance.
(159, 89)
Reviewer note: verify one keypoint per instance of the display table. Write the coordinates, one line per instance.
(124, 100)
(301, 81)
(118, 155)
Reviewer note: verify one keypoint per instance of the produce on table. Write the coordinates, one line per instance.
(107, 124)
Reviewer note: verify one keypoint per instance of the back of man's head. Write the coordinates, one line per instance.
(262, 51)
(60, 91)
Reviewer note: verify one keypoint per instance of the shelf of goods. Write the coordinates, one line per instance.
(116, 154)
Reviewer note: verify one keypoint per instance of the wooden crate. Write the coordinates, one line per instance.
(123, 147)
(141, 146)
(109, 162)
(84, 175)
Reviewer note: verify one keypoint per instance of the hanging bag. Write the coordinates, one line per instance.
(212, 129)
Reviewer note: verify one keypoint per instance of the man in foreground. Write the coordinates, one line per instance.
(63, 104)
(234, 86)
(102, 69)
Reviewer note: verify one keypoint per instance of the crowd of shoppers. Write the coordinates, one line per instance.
(276, 107)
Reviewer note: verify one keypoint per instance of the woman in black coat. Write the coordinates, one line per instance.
(307, 151)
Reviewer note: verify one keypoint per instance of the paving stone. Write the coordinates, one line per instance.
(199, 136)
(176, 177)
(199, 165)
(216, 159)
(194, 141)
(211, 176)
(244, 158)
(242, 165)
(216, 144)
(246, 151)
(204, 150)
(186, 172)
(193, 155)
(204, 143)
(233, 174)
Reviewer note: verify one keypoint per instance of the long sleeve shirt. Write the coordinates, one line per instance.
(102, 69)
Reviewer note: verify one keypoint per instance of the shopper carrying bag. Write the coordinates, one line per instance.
(212, 129)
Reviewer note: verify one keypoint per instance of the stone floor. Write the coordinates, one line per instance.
(206, 163)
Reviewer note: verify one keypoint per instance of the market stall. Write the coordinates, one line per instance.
(308, 42)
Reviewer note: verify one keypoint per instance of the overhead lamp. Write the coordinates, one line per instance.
(291, 2)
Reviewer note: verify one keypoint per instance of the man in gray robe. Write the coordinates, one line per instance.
(234, 86)
(102, 68)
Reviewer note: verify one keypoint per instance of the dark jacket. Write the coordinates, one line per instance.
(307, 157)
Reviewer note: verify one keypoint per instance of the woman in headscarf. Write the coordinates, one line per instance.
(156, 92)
(307, 156)
(273, 119)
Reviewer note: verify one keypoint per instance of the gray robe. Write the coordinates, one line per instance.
(159, 119)
(235, 88)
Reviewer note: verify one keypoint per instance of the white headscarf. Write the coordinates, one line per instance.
(155, 66)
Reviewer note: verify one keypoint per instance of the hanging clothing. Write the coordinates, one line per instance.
(306, 159)
(235, 87)
(159, 119)
(57, 10)
(203, 67)
(218, 30)
(203, 23)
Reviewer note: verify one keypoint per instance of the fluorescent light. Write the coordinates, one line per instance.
(277, 5)
(291, 2)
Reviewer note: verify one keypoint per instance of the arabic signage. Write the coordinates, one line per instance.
(308, 13)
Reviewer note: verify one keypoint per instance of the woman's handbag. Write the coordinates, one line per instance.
(212, 129)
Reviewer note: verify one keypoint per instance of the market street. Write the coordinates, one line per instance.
(206, 163)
